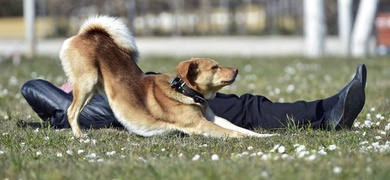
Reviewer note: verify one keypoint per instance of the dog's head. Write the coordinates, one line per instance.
(205, 75)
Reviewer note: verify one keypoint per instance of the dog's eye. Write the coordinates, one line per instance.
(215, 67)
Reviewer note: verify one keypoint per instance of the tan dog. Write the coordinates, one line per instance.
(102, 57)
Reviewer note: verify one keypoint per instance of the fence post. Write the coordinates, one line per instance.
(345, 24)
(29, 20)
(315, 27)
(363, 27)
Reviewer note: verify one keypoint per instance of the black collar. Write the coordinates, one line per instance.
(180, 86)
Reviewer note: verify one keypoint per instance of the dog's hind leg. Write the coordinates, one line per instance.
(82, 94)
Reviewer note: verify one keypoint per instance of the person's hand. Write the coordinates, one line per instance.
(66, 87)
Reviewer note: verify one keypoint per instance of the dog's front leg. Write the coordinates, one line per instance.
(202, 126)
(228, 125)
(209, 114)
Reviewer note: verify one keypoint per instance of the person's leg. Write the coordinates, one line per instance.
(338, 111)
(51, 103)
(48, 102)
(254, 111)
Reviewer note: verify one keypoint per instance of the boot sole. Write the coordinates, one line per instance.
(352, 105)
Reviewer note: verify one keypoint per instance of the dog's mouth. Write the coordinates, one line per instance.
(233, 78)
(228, 82)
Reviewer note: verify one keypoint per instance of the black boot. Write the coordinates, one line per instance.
(351, 102)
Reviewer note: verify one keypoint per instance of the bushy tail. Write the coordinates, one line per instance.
(116, 29)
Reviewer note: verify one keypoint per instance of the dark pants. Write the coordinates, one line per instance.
(248, 111)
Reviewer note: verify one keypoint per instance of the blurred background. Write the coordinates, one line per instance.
(253, 27)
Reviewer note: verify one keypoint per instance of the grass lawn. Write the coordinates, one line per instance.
(362, 153)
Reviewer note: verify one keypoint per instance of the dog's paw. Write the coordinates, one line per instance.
(267, 135)
(77, 133)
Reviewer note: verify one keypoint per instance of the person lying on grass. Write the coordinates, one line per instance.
(248, 111)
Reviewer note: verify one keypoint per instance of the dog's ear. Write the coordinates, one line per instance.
(187, 70)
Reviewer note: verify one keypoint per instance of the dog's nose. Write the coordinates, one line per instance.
(235, 71)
